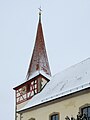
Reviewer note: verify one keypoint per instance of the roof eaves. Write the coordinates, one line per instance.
(55, 98)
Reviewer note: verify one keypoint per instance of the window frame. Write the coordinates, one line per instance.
(54, 113)
(83, 107)
(31, 119)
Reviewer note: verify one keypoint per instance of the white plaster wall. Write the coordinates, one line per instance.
(66, 107)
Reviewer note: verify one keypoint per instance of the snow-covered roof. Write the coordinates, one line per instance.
(71, 80)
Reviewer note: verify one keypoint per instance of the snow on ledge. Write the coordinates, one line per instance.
(38, 73)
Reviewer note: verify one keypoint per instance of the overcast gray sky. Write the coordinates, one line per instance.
(66, 26)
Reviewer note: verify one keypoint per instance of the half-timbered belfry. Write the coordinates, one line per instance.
(38, 72)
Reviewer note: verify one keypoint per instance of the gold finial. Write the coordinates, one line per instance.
(40, 10)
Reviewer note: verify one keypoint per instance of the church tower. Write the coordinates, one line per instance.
(38, 72)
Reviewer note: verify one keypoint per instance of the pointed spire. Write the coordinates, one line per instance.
(39, 60)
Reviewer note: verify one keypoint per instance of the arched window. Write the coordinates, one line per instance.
(31, 119)
(85, 111)
(54, 116)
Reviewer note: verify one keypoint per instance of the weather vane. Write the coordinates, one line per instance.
(40, 10)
